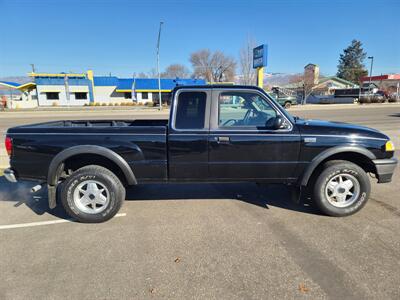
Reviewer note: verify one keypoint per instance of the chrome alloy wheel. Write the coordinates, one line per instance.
(91, 197)
(342, 190)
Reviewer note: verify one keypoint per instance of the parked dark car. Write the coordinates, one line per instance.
(214, 134)
(284, 97)
(377, 97)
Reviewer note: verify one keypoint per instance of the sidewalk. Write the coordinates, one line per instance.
(341, 106)
(4, 160)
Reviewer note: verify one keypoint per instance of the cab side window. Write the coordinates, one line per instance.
(190, 110)
(243, 109)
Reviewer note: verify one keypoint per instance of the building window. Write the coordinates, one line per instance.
(128, 95)
(80, 96)
(52, 96)
(145, 96)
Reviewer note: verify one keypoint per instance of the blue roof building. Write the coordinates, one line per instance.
(81, 89)
(143, 84)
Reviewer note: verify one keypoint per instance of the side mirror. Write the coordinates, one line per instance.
(278, 122)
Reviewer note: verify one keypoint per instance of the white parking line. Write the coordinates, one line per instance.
(22, 225)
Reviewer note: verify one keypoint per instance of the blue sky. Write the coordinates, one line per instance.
(120, 36)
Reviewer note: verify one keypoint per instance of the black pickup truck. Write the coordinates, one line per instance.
(215, 133)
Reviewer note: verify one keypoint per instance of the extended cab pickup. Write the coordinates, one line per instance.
(214, 134)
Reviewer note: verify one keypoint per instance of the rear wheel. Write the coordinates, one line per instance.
(92, 194)
(287, 105)
(341, 189)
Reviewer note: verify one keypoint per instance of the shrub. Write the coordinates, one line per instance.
(104, 104)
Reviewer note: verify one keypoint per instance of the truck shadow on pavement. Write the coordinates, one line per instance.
(20, 194)
(263, 196)
(258, 195)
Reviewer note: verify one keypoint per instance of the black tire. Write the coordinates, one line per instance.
(333, 170)
(287, 105)
(102, 179)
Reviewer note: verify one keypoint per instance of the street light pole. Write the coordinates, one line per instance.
(158, 65)
(370, 75)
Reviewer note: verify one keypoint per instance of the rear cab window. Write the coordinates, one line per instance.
(191, 110)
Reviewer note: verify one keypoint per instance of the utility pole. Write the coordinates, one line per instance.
(37, 94)
(158, 65)
(66, 86)
(370, 76)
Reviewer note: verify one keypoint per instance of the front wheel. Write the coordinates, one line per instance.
(92, 194)
(341, 189)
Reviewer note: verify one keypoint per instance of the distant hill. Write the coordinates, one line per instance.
(17, 79)
(279, 79)
(276, 79)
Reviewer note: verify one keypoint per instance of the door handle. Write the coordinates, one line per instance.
(223, 139)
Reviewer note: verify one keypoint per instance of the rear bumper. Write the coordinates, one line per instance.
(385, 169)
(10, 175)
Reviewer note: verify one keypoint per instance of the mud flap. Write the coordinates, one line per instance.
(296, 194)
(51, 190)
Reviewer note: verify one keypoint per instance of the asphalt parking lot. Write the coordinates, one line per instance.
(204, 241)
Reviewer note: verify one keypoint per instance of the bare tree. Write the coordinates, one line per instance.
(296, 78)
(304, 83)
(214, 67)
(150, 74)
(248, 74)
(140, 75)
(176, 71)
(201, 62)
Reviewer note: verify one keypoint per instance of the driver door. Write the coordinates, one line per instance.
(242, 143)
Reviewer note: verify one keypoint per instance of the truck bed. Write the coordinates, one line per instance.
(96, 123)
(142, 143)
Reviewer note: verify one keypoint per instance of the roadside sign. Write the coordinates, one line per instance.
(260, 55)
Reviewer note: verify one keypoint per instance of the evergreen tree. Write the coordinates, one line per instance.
(351, 63)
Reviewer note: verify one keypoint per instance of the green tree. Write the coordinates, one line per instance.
(351, 63)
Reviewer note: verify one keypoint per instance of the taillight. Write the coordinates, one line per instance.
(8, 143)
